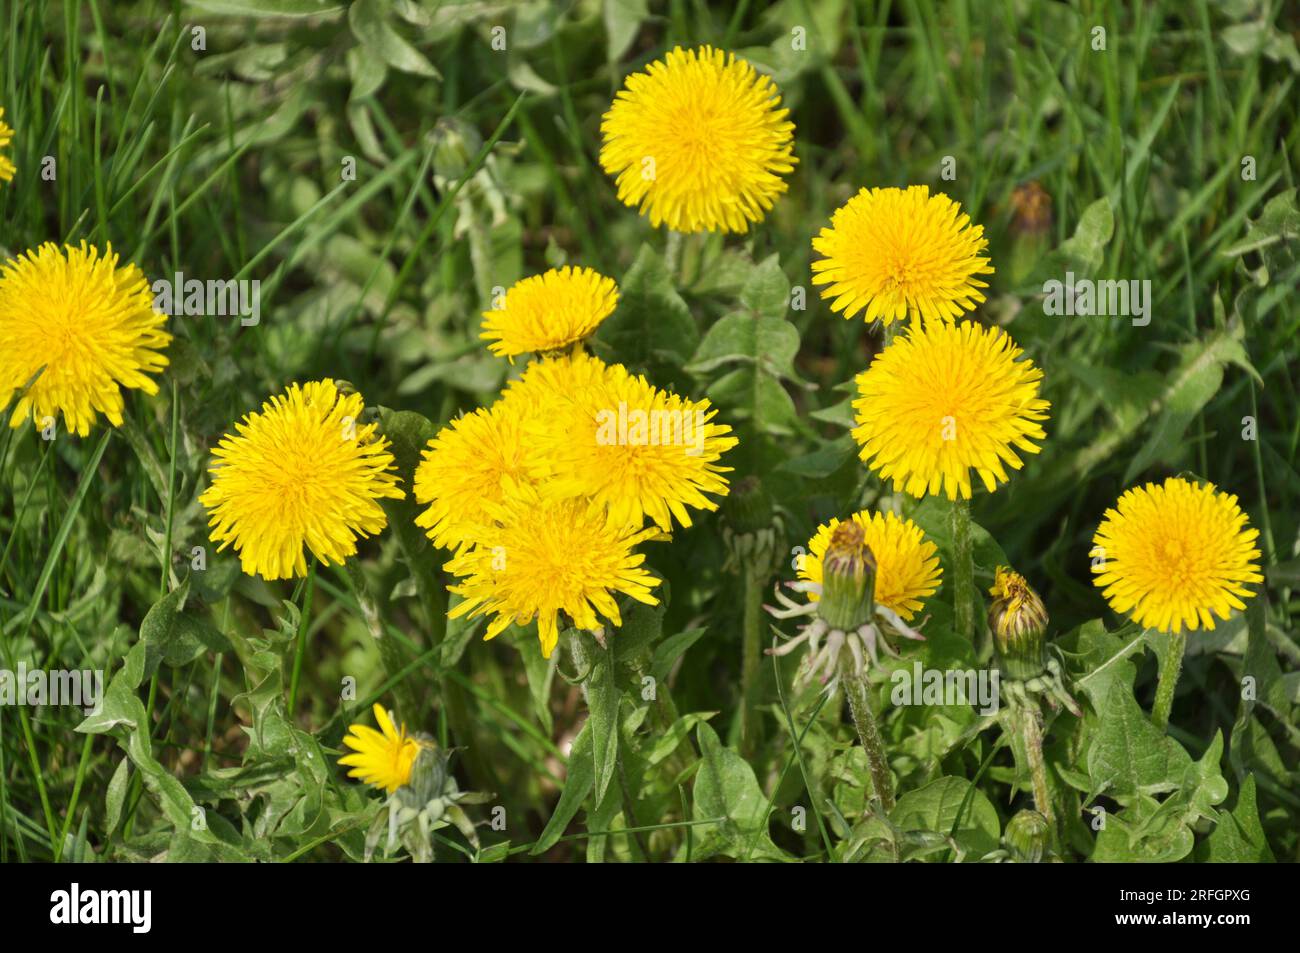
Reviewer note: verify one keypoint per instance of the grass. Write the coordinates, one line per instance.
(477, 166)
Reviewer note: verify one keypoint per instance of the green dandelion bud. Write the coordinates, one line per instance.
(751, 528)
(848, 579)
(1018, 620)
(1028, 837)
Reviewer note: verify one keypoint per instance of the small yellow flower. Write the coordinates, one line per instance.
(541, 557)
(897, 252)
(471, 465)
(699, 142)
(88, 322)
(639, 451)
(907, 564)
(946, 399)
(1172, 555)
(7, 168)
(549, 312)
(381, 760)
(302, 471)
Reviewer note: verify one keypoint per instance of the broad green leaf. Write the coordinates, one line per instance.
(623, 19)
(1238, 837)
(951, 805)
(1129, 754)
(603, 697)
(369, 20)
(651, 324)
(578, 782)
(1084, 251)
(726, 789)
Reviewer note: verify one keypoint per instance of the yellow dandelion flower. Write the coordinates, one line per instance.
(907, 564)
(555, 384)
(7, 168)
(302, 471)
(699, 142)
(1172, 555)
(549, 312)
(382, 759)
(639, 451)
(88, 322)
(946, 399)
(471, 465)
(897, 252)
(542, 557)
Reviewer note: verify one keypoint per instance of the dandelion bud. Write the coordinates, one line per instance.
(1028, 836)
(455, 143)
(1031, 227)
(848, 578)
(1018, 620)
(749, 507)
(750, 528)
(429, 776)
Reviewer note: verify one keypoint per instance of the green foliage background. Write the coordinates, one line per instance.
(476, 166)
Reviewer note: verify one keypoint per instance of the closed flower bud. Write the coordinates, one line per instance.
(748, 508)
(1018, 620)
(1028, 837)
(848, 579)
(751, 529)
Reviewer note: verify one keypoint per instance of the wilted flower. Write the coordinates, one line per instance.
(869, 571)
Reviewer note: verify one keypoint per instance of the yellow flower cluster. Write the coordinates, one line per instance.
(949, 400)
(543, 497)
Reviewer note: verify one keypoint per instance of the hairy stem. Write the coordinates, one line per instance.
(751, 659)
(673, 253)
(1170, 669)
(855, 687)
(1031, 734)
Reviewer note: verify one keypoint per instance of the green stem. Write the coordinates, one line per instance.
(673, 253)
(581, 661)
(855, 687)
(1031, 734)
(304, 626)
(390, 653)
(963, 571)
(751, 661)
(1170, 669)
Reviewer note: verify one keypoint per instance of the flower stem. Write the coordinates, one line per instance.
(304, 626)
(581, 660)
(855, 687)
(673, 253)
(390, 653)
(1170, 669)
(751, 659)
(963, 572)
(1031, 734)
